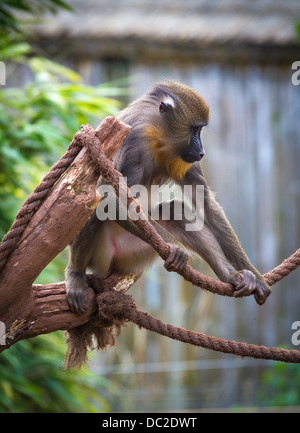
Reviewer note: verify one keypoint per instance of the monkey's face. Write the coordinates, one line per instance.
(184, 114)
(174, 132)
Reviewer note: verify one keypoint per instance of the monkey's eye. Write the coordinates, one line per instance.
(165, 107)
(196, 130)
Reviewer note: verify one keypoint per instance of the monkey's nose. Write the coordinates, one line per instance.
(201, 155)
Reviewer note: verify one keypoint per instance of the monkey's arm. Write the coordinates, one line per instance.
(228, 241)
(177, 257)
(245, 276)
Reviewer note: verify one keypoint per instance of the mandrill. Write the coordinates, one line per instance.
(164, 145)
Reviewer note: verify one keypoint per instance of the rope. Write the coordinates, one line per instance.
(114, 178)
(115, 307)
(86, 137)
(284, 269)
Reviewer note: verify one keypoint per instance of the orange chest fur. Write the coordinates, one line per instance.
(164, 154)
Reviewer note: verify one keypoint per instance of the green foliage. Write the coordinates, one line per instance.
(38, 120)
(281, 385)
(32, 379)
(9, 8)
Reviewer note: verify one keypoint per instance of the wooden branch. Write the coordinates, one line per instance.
(51, 312)
(62, 215)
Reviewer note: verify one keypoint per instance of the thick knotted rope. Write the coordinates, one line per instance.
(115, 309)
(115, 179)
(87, 138)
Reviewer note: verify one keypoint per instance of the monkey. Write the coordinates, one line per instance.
(164, 145)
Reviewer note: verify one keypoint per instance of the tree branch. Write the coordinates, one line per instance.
(28, 310)
(50, 311)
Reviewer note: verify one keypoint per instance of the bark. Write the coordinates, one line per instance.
(50, 311)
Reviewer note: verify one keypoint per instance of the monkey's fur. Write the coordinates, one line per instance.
(164, 145)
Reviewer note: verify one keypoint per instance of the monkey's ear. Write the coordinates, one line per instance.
(164, 107)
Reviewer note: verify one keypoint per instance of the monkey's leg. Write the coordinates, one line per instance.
(76, 286)
(80, 255)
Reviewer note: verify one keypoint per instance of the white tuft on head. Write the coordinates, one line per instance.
(169, 100)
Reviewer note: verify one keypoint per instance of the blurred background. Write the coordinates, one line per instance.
(75, 62)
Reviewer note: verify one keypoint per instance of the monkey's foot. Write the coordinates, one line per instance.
(78, 300)
(177, 259)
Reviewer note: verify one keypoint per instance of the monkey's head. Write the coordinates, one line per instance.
(175, 133)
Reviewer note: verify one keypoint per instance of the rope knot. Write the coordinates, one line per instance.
(113, 311)
(114, 307)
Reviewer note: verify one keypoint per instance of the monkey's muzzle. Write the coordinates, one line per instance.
(194, 152)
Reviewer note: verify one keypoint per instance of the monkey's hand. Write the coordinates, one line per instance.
(247, 283)
(77, 293)
(262, 291)
(244, 282)
(177, 259)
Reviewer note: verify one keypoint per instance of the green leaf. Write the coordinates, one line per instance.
(39, 64)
